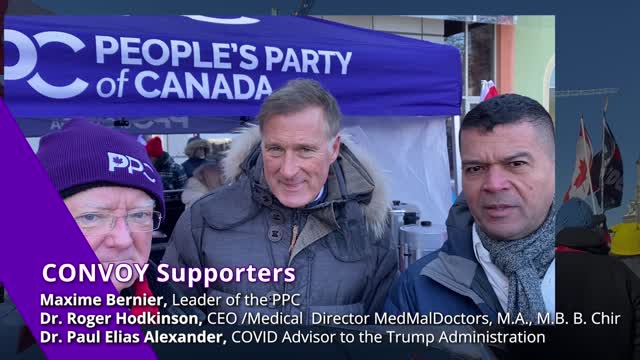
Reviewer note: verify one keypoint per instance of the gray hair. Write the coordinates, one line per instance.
(298, 95)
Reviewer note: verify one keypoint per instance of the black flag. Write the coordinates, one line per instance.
(613, 182)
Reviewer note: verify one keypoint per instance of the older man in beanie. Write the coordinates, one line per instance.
(499, 256)
(114, 194)
(299, 198)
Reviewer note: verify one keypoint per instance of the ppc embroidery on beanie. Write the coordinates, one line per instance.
(82, 155)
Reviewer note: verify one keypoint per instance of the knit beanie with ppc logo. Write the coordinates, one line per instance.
(84, 155)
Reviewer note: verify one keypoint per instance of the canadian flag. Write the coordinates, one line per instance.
(581, 186)
(488, 91)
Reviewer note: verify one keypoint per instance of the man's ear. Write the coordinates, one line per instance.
(335, 149)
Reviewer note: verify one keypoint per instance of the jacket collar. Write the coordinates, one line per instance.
(456, 266)
(459, 226)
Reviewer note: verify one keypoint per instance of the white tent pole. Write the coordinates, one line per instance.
(456, 151)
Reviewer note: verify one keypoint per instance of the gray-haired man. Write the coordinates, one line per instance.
(300, 198)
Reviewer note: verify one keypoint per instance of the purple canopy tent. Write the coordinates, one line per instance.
(188, 74)
(137, 66)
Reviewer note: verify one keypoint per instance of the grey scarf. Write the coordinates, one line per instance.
(524, 262)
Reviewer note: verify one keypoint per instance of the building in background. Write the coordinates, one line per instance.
(534, 59)
(516, 52)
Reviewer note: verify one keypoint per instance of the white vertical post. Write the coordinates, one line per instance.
(455, 143)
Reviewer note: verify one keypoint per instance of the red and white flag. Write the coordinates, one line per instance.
(488, 90)
(581, 186)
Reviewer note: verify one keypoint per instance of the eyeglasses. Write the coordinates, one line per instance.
(99, 223)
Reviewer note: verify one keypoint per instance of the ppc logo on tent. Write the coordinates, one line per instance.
(28, 59)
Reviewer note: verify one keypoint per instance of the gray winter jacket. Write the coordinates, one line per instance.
(343, 259)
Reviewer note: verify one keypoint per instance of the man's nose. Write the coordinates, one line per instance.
(289, 167)
(120, 236)
(496, 179)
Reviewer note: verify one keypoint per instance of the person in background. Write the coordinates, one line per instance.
(589, 283)
(218, 150)
(172, 173)
(205, 179)
(625, 245)
(197, 151)
(573, 218)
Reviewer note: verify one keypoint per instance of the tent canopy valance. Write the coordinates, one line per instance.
(137, 66)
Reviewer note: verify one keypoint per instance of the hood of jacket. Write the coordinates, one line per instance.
(363, 181)
(456, 259)
(459, 226)
(191, 147)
